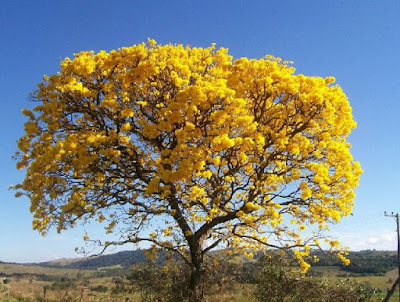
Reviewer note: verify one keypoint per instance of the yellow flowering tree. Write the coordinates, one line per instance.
(188, 149)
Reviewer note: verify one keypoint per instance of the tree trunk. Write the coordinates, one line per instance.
(196, 285)
(196, 280)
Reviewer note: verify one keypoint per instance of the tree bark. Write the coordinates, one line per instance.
(196, 280)
(196, 292)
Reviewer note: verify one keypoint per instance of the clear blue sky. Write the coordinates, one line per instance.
(358, 42)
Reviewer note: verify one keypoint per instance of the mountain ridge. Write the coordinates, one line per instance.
(123, 259)
(367, 261)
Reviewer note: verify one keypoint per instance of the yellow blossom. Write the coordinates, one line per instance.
(191, 142)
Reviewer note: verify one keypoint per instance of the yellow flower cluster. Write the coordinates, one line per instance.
(189, 132)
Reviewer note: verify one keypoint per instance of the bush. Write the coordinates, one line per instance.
(277, 282)
(167, 281)
(159, 284)
(63, 285)
(119, 286)
(99, 288)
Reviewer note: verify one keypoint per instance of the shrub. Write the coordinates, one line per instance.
(278, 282)
(99, 288)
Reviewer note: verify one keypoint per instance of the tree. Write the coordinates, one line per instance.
(203, 150)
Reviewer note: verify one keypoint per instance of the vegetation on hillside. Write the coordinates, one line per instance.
(363, 263)
(368, 262)
(123, 259)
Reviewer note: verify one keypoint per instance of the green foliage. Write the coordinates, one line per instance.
(63, 285)
(278, 283)
(166, 281)
(159, 284)
(363, 263)
(99, 288)
(275, 282)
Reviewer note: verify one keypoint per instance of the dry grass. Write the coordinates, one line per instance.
(28, 290)
(50, 271)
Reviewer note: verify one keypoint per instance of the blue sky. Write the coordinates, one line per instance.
(358, 42)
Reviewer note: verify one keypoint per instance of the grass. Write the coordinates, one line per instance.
(327, 271)
(380, 282)
(29, 291)
(10, 269)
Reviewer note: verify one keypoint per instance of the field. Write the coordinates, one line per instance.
(26, 284)
(23, 285)
(7, 269)
(380, 282)
(35, 283)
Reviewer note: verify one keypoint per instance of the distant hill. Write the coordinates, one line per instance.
(369, 262)
(61, 262)
(122, 259)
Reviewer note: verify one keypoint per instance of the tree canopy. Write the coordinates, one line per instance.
(199, 148)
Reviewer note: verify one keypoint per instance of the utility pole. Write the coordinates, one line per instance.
(398, 243)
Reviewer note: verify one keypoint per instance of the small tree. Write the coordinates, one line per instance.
(159, 282)
(188, 143)
(275, 281)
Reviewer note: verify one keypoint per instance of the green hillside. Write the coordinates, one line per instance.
(363, 263)
(368, 262)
